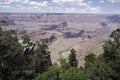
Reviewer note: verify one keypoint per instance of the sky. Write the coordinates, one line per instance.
(61, 6)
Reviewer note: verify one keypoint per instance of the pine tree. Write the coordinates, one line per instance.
(72, 59)
(14, 63)
(11, 57)
(107, 65)
(90, 59)
(26, 39)
(42, 56)
(112, 54)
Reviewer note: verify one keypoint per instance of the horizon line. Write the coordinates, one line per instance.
(56, 13)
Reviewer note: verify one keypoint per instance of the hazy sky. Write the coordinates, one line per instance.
(61, 6)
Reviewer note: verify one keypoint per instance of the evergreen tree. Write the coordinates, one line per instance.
(26, 38)
(73, 73)
(97, 69)
(14, 63)
(107, 65)
(112, 54)
(72, 59)
(90, 59)
(42, 56)
(11, 57)
(64, 65)
(29, 57)
(62, 72)
(53, 73)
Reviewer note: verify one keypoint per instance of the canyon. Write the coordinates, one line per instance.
(85, 33)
